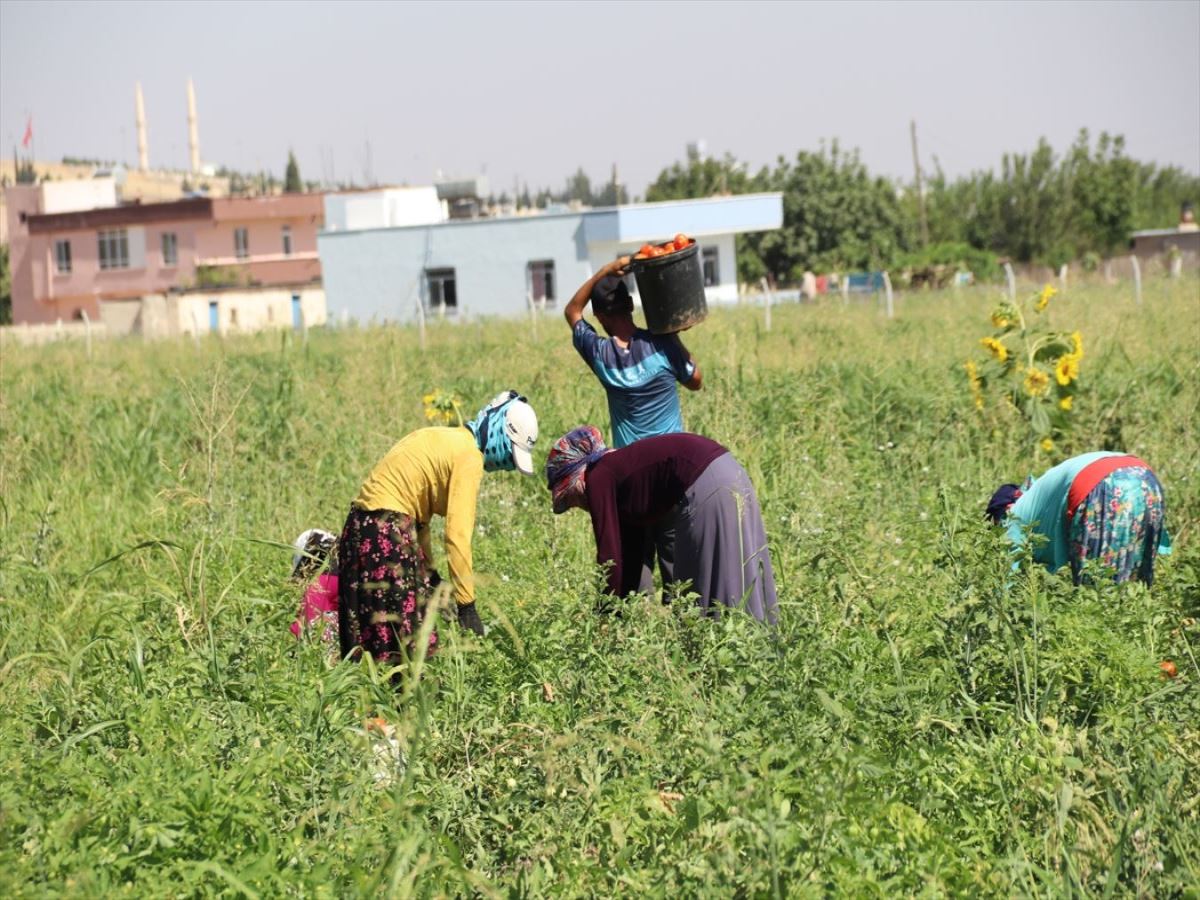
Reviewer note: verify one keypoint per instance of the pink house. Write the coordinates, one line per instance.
(65, 263)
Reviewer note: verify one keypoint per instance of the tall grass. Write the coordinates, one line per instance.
(922, 722)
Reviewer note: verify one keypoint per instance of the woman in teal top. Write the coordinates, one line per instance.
(1099, 506)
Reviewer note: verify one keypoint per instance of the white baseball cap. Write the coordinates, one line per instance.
(520, 424)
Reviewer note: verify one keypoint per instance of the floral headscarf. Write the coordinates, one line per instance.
(567, 464)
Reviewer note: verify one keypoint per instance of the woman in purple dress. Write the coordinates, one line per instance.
(681, 479)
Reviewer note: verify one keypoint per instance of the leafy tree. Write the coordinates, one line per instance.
(1102, 187)
(579, 187)
(610, 195)
(702, 178)
(23, 172)
(835, 214)
(1159, 193)
(292, 183)
(1046, 209)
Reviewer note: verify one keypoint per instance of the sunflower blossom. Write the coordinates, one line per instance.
(1037, 382)
(976, 384)
(1066, 370)
(1077, 340)
(1065, 403)
(1044, 297)
(1047, 444)
(994, 347)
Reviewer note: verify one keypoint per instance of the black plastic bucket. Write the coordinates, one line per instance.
(672, 289)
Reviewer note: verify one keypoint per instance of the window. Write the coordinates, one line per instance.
(62, 257)
(287, 240)
(541, 281)
(170, 248)
(441, 291)
(114, 249)
(712, 271)
(241, 243)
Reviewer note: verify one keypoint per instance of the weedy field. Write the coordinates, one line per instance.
(921, 723)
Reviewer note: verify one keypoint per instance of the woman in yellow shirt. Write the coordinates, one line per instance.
(385, 570)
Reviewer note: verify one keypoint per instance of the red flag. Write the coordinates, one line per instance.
(28, 133)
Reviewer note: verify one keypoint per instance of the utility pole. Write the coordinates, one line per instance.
(920, 187)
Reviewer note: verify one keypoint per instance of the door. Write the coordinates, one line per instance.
(297, 313)
(214, 316)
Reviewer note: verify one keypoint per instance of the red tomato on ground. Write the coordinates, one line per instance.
(1168, 669)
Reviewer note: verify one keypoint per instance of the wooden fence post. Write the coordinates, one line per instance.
(87, 332)
(1012, 282)
(767, 300)
(887, 291)
(1137, 278)
(421, 321)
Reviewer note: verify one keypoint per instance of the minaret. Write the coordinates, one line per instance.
(140, 114)
(193, 130)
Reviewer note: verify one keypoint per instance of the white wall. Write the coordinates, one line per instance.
(378, 276)
(242, 312)
(388, 208)
(84, 193)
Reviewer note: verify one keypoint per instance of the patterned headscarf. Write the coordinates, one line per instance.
(567, 463)
(1006, 495)
(490, 436)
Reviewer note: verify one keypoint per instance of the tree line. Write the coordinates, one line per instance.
(1040, 207)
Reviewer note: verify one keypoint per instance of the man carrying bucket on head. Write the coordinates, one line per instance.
(638, 370)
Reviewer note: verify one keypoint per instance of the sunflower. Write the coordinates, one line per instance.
(1066, 369)
(1065, 403)
(1044, 297)
(1047, 444)
(994, 347)
(1077, 341)
(1037, 382)
(976, 384)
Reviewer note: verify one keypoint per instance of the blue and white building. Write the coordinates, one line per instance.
(390, 254)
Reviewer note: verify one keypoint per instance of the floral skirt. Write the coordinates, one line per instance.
(1119, 525)
(383, 585)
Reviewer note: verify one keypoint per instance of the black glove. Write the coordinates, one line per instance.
(468, 617)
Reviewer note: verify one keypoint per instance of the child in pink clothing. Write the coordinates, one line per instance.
(320, 603)
(319, 606)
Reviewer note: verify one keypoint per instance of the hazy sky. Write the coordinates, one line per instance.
(533, 90)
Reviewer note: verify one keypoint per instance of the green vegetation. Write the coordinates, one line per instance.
(5, 287)
(291, 176)
(1040, 207)
(221, 276)
(923, 723)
